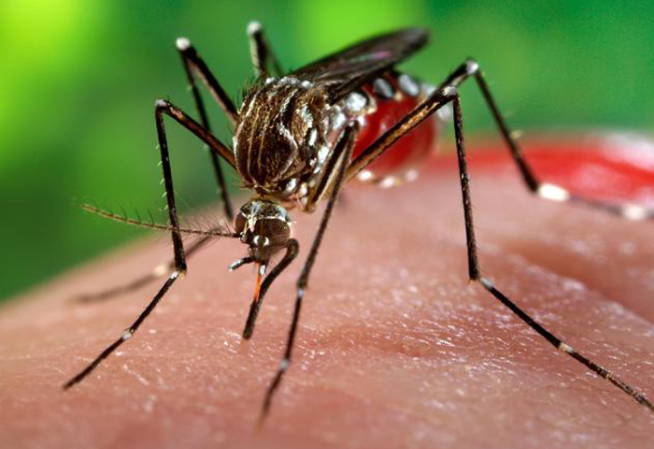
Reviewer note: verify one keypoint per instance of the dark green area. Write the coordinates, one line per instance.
(78, 80)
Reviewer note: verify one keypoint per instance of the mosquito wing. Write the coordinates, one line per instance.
(345, 70)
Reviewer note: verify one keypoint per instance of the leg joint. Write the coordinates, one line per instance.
(183, 44)
(253, 28)
(161, 105)
(449, 92)
(284, 364)
(472, 66)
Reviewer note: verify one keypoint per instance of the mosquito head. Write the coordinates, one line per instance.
(265, 227)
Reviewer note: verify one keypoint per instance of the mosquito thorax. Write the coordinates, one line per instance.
(263, 225)
(280, 139)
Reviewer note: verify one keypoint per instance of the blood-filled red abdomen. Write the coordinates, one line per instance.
(404, 155)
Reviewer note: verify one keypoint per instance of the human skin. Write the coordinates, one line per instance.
(395, 347)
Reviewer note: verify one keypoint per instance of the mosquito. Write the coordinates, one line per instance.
(299, 138)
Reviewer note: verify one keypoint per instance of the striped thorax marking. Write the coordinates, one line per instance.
(279, 136)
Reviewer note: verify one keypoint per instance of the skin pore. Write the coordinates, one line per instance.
(395, 347)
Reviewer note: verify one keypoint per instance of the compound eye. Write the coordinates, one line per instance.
(239, 222)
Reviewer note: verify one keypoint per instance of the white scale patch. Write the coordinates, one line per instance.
(634, 212)
(355, 102)
(313, 136)
(306, 116)
(565, 348)
(338, 119)
(260, 241)
(449, 91)
(382, 89)
(287, 134)
(472, 67)
(408, 85)
(411, 175)
(303, 190)
(182, 43)
(253, 28)
(322, 153)
(553, 192)
(388, 182)
(291, 185)
(292, 81)
(235, 144)
(289, 81)
(365, 175)
(249, 107)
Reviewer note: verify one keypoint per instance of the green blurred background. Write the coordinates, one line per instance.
(78, 79)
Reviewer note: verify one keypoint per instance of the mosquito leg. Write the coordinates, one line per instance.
(164, 107)
(292, 250)
(263, 59)
(326, 179)
(437, 100)
(474, 270)
(135, 284)
(324, 183)
(470, 68)
(127, 334)
(424, 110)
(194, 64)
(317, 192)
(161, 107)
(215, 145)
(218, 148)
(345, 145)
